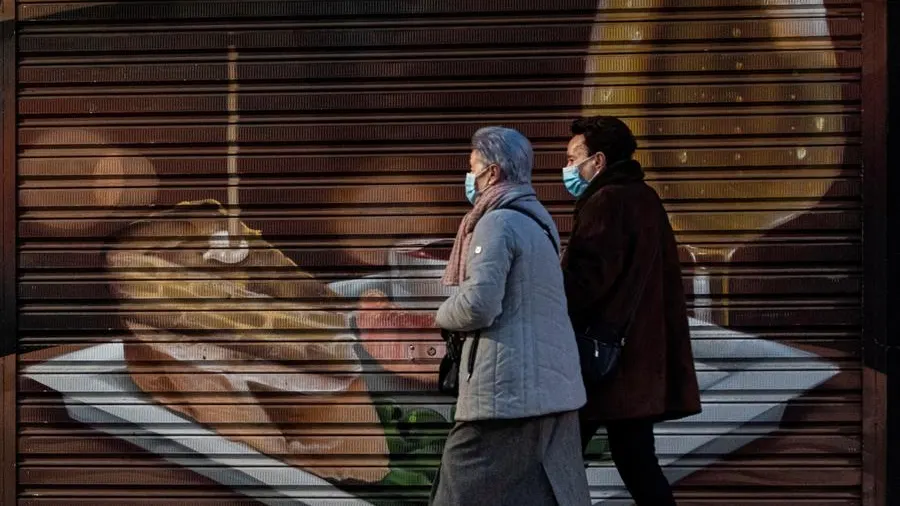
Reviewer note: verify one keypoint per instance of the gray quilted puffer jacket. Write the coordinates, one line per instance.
(526, 363)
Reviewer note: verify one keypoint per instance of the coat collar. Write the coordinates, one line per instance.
(621, 172)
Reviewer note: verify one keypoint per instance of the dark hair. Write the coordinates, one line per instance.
(607, 135)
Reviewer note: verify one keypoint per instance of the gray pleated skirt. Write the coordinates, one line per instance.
(526, 462)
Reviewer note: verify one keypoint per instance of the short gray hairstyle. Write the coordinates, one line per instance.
(507, 148)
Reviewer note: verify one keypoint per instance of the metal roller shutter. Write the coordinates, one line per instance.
(323, 144)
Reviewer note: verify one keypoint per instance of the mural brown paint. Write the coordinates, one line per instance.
(248, 265)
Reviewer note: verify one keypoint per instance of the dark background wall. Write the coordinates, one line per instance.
(893, 334)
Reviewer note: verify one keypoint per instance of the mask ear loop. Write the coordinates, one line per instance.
(592, 157)
(486, 169)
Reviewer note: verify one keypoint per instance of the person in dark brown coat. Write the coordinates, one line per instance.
(621, 234)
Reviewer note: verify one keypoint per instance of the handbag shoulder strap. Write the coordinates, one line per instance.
(539, 222)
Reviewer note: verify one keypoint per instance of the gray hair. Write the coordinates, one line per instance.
(507, 148)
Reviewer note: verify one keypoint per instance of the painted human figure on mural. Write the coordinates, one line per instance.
(380, 346)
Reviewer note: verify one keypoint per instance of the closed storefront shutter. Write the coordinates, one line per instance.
(233, 218)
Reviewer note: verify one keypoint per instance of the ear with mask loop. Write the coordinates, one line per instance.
(575, 183)
(471, 190)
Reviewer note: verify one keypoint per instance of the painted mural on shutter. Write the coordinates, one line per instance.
(233, 217)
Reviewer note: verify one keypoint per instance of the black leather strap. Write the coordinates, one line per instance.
(472, 352)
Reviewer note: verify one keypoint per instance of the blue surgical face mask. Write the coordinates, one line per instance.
(574, 181)
(471, 190)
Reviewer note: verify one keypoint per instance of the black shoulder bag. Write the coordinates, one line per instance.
(600, 345)
(448, 372)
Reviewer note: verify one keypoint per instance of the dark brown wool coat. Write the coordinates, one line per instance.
(618, 222)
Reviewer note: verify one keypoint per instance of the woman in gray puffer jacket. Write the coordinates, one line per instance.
(516, 440)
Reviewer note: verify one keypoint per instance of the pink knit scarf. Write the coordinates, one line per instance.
(487, 201)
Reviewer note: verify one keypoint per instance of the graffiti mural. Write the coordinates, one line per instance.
(239, 279)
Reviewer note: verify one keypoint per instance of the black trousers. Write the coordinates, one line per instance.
(633, 451)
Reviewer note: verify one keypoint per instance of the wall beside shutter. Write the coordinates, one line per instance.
(233, 217)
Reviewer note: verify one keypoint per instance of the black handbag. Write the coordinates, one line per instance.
(600, 344)
(599, 350)
(448, 373)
